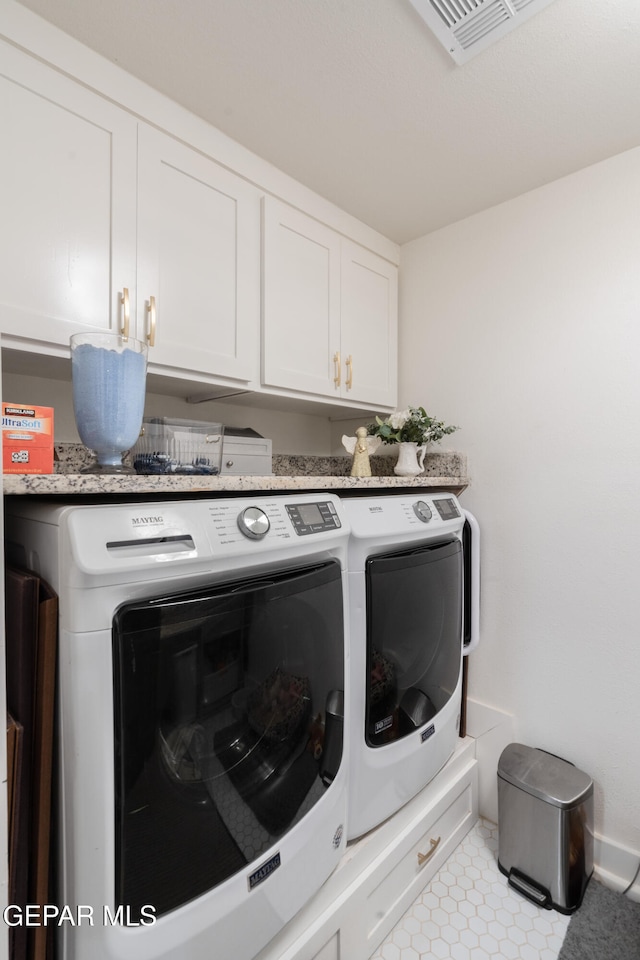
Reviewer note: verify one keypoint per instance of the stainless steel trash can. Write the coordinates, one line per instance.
(545, 826)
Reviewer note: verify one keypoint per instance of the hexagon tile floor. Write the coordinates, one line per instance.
(468, 912)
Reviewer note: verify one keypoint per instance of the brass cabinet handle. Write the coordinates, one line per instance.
(151, 333)
(337, 377)
(425, 857)
(124, 300)
(349, 381)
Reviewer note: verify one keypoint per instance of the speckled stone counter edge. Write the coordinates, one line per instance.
(444, 469)
(436, 464)
(72, 457)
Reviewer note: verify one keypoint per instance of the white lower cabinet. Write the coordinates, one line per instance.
(383, 873)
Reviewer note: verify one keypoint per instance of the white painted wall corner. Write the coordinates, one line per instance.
(492, 730)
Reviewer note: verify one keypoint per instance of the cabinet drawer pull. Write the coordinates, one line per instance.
(124, 300)
(337, 377)
(151, 334)
(425, 857)
(349, 382)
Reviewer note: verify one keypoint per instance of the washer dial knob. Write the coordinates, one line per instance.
(422, 511)
(253, 523)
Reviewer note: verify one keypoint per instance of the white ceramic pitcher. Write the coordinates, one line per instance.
(410, 459)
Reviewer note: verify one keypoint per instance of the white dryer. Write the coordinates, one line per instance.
(413, 585)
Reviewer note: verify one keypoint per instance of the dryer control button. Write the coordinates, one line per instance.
(254, 523)
(422, 511)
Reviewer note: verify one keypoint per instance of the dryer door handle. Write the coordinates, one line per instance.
(474, 592)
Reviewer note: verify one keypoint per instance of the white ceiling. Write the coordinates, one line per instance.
(360, 102)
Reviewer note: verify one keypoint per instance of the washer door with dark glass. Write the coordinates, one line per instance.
(222, 701)
(414, 637)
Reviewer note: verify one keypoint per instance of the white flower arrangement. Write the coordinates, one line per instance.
(412, 425)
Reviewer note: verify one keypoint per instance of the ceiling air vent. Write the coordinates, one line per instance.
(465, 27)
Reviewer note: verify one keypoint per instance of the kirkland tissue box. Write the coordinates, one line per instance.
(27, 439)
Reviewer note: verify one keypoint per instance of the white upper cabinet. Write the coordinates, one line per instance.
(198, 260)
(329, 311)
(369, 325)
(119, 210)
(111, 219)
(301, 302)
(67, 180)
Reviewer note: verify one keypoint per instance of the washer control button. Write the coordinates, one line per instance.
(254, 523)
(422, 511)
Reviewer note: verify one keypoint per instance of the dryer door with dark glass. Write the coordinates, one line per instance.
(414, 637)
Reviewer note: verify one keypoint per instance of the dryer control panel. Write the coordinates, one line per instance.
(447, 508)
(387, 519)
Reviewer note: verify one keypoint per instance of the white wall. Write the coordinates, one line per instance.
(522, 324)
(291, 433)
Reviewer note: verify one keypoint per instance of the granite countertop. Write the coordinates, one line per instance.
(443, 471)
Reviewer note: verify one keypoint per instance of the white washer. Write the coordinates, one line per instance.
(200, 690)
(412, 562)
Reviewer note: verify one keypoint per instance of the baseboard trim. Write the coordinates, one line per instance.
(492, 729)
(614, 866)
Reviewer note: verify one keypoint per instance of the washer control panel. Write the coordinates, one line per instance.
(254, 523)
(313, 517)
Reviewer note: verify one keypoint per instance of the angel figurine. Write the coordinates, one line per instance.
(362, 447)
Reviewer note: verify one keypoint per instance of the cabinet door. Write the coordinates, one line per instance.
(369, 326)
(199, 258)
(67, 195)
(301, 301)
